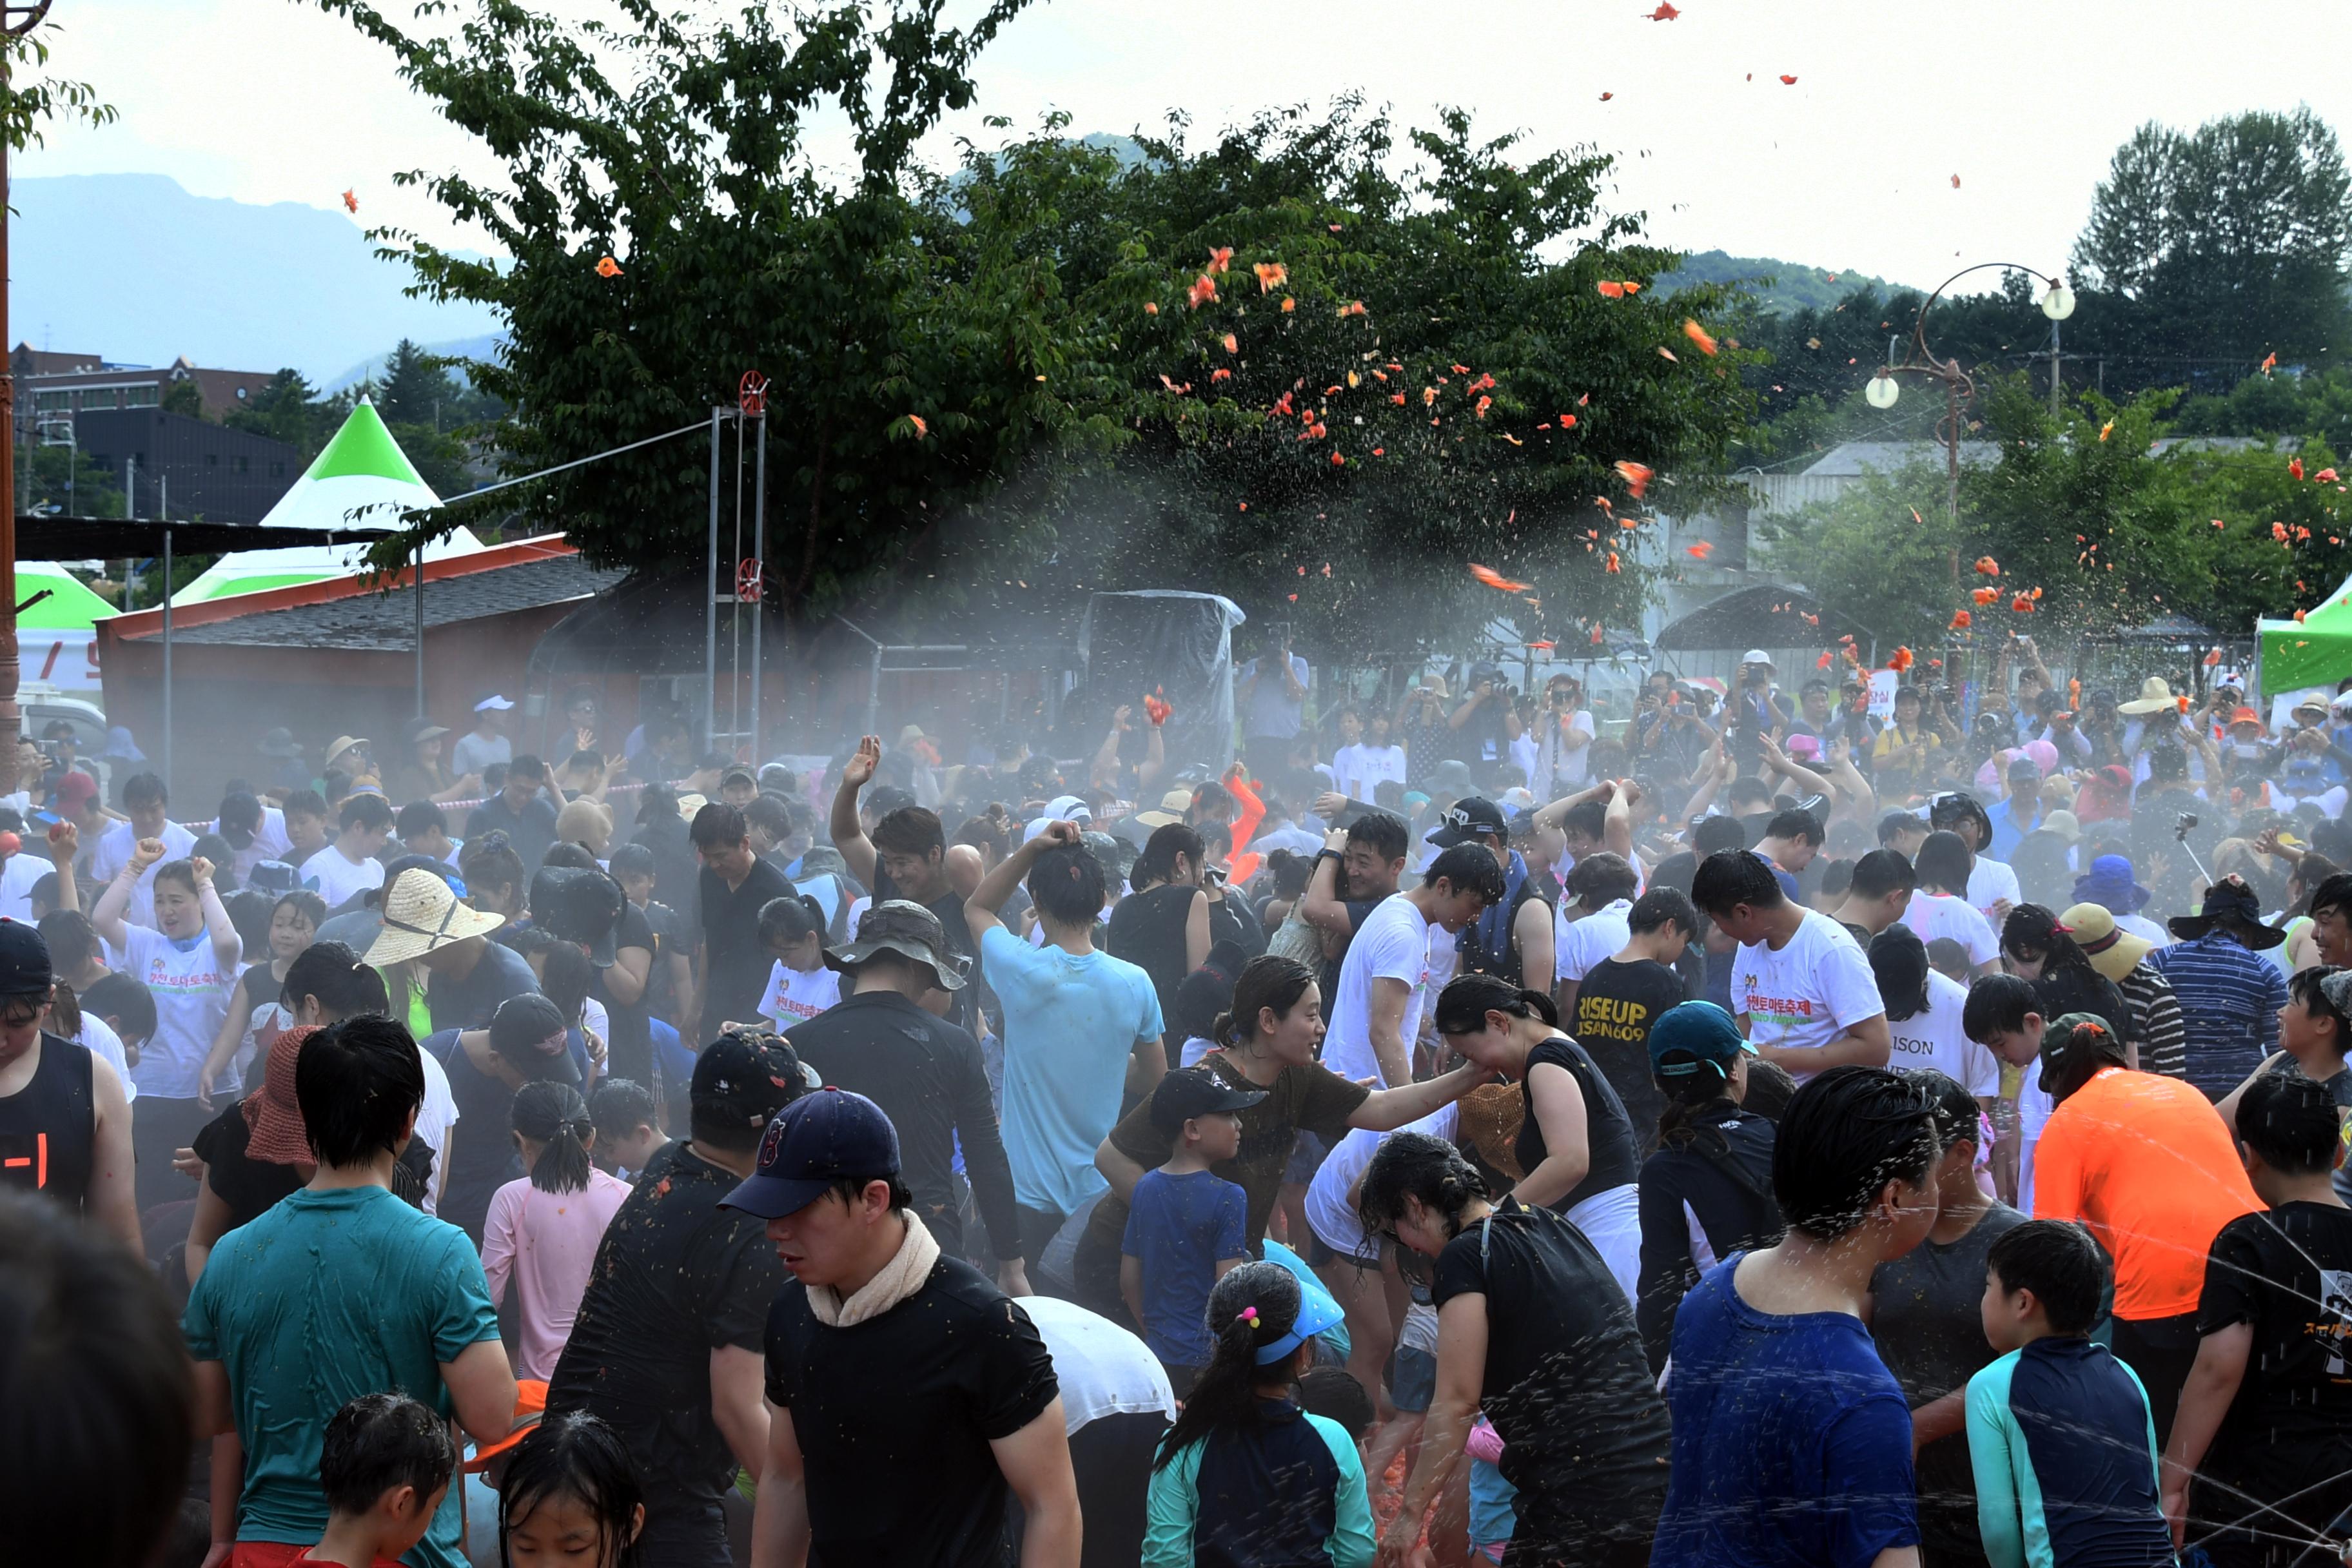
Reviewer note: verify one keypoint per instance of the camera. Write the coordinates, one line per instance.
(2182, 824)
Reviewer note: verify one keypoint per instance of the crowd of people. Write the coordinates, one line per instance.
(1753, 1130)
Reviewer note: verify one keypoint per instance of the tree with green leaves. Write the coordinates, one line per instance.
(182, 397)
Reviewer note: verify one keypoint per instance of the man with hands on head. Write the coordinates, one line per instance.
(908, 856)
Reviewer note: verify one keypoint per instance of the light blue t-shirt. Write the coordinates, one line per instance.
(326, 1297)
(1070, 1023)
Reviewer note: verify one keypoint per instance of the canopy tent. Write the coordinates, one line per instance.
(55, 640)
(255, 571)
(360, 481)
(2314, 651)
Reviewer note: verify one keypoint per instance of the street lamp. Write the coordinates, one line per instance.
(2057, 303)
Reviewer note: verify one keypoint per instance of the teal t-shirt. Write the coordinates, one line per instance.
(329, 1295)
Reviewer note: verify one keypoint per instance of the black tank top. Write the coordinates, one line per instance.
(1608, 1140)
(48, 1129)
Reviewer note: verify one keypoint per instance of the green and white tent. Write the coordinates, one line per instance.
(56, 639)
(360, 481)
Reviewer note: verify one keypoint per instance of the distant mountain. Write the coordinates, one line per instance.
(483, 347)
(133, 268)
(1792, 287)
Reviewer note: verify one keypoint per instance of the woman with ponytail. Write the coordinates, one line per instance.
(1706, 1193)
(1245, 1476)
(544, 1229)
(1576, 1142)
(1532, 1332)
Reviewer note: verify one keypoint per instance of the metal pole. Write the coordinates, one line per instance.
(2054, 367)
(735, 621)
(759, 594)
(167, 655)
(420, 626)
(710, 602)
(131, 509)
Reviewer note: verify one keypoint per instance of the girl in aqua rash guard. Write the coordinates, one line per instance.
(1245, 1478)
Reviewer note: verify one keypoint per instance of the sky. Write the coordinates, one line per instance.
(1851, 168)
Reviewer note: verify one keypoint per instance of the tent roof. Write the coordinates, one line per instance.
(360, 480)
(1766, 616)
(256, 571)
(70, 605)
(2309, 652)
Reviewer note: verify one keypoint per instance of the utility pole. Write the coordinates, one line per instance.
(15, 21)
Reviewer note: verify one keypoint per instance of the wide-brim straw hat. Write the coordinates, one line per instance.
(420, 913)
(2113, 951)
(2155, 693)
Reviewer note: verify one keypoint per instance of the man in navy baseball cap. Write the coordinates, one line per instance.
(821, 1141)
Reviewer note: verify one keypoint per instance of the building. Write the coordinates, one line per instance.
(192, 468)
(59, 384)
(335, 658)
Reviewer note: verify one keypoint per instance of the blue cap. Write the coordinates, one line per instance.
(1693, 1035)
(819, 1138)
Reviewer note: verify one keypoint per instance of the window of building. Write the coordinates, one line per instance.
(49, 402)
(277, 470)
(244, 465)
(142, 396)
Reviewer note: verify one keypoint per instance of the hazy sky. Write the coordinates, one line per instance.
(269, 100)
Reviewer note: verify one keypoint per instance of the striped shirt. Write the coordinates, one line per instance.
(2155, 1020)
(2229, 998)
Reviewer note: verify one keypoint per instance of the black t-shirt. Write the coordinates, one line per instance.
(2288, 1272)
(1616, 1160)
(1583, 1427)
(250, 1187)
(915, 1394)
(1231, 918)
(964, 1005)
(467, 1004)
(1147, 929)
(675, 1277)
(736, 964)
(532, 830)
(1615, 1009)
(927, 1076)
(632, 1043)
(485, 1159)
(671, 935)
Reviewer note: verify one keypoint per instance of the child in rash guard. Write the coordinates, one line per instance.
(1791, 1440)
(2060, 1434)
(1186, 1226)
(384, 1465)
(2261, 1453)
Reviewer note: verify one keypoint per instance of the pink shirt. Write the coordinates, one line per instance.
(547, 1241)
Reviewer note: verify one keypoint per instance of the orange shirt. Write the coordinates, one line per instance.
(2146, 1162)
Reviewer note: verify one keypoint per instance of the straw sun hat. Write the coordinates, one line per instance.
(420, 913)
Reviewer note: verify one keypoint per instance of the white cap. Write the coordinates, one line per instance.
(1756, 655)
(492, 702)
(2343, 703)
(1069, 808)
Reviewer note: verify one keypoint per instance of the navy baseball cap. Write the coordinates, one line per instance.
(824, 1136)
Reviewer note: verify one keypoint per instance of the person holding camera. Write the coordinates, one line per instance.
(1485, 724)
(1274, 710)
(1556, 751)
(1423, 729)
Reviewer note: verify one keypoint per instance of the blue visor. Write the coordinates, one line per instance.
(1316, 1309)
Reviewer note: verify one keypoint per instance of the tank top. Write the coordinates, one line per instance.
(1608, 1130)
(48, 1129)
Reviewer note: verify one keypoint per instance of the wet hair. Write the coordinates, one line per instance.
(181, 871)
(1770, 1087)
(305, 902)
(1798, 826)
(793, 917)
(378, 1442)
(1468, 868)
(1253, 1305)
(620, 1106)
(1730, 877)
(1998, 1005)
(909, 830)
(1416, 1166)
(2291, 1122)
(554, 1114)
(419, 817)
(1601, 879)
(1837, 876)
(249, 912)
(142, 790)
(773, 817)
(1288, 871)
(1883, 871)
(1269, 980)
(367, 811)
(572, 856)
(1899, 961)
(1943, 864)
(1716, 834)
(2058, 1261)
(1463, 1005)
(1381, 833)
(72, 942)
(358, 1082)
(1898, 824)
(1957, 1113)
(123, 1000)
(338, 977)
(490, 862)
(528, 766)
(97, 1397)
(1066, 883)
(566, 978)
(1333, 1393)
(632, 860)
(718, 825)
(1156, 863)
(571, 1454)
(1949, 956)
(1655, 909)
(305, 802)
(1586, 819)
(1846, 1133)
(2304, 986)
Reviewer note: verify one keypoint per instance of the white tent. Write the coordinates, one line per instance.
(360, 481)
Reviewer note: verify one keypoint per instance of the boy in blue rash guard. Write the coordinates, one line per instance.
(2060, 1433)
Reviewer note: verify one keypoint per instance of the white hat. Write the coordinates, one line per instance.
(1070, 808)
(422, 913)
(2343, 703)
(1756, 655)
(492, 702)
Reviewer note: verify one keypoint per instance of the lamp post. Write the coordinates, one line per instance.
(15, 21)
(2057, 303)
